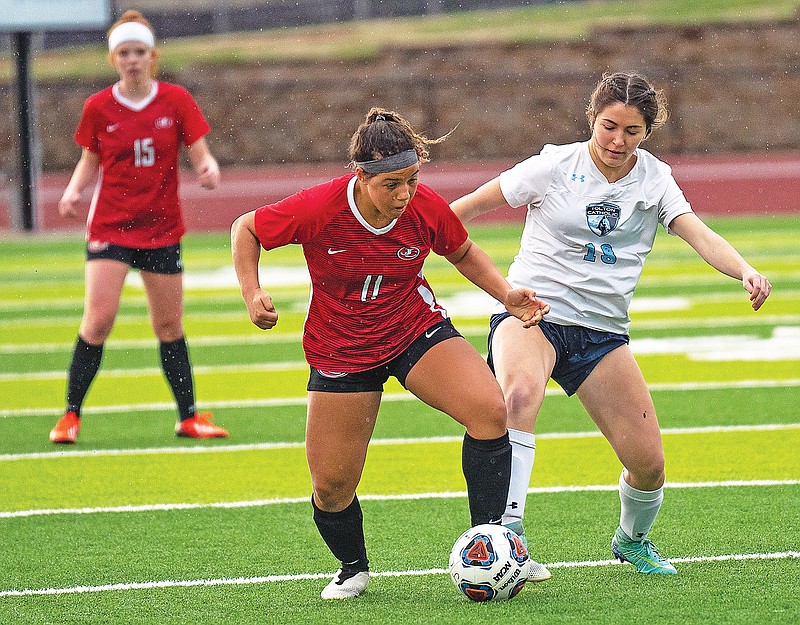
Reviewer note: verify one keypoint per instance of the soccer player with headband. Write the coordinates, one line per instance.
(130, 135)
(373, 315)
(130, 31)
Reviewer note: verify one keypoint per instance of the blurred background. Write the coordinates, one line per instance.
(285, 83)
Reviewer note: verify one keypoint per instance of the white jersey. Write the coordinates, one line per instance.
(585, 239)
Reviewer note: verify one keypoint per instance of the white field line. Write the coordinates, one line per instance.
(32, 309)
(151, 343)
(296, 401)
(257, 503)
(267, 579)
(290, 365)
(60, 320)
(673, 323)
(201, 449)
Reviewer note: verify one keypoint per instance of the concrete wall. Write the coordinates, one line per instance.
(732, 88)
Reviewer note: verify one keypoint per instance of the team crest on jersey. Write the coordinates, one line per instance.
(163, 122)
(408, 253)
(602, 217)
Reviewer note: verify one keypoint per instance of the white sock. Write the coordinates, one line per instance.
(523, 449)
(638, 509)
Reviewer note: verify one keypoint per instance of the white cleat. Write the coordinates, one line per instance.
(538, 572)
(346, 586)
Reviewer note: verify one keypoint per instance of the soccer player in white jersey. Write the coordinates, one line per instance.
(372, 315)
(592, 212)
(130, 134)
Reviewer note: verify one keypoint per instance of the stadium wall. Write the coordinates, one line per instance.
(732, 88)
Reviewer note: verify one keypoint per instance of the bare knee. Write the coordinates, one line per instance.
(97, 325)
(488, 419)
(168, 331)
(647, 474)
(523, 398)
(332, 494)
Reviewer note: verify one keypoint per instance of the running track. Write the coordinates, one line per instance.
(720, 185)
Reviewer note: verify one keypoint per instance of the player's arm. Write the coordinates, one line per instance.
(721, 255)
(485, 198)
(246, 251)
(204, 164)
(475, 265)
(85, 173)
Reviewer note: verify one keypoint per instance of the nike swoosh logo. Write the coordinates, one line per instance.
(430, 333)
(333, 251)
(112, 127)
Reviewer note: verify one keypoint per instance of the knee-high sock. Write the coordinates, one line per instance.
(82, 371)
(343, 532)
(487, 470)
(523, 446)
(638, 509)
(178, 371)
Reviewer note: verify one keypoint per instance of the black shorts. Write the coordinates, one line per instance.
(374, 379)
(578, 350)
(156, 260)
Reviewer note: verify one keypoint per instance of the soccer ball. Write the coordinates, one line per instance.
(489, 562)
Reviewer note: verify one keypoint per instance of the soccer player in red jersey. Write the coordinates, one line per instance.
(130, 135)
(373, 315)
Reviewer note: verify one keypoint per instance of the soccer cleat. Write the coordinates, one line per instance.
(199, 426)
(346, 585)
(537, 572)
(643, 555)
(66, 429)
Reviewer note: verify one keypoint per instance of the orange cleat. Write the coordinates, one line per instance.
(66, 429)
(199, 426)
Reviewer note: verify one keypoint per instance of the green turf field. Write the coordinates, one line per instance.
(132, 525)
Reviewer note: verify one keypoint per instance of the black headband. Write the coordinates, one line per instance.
(401, 160)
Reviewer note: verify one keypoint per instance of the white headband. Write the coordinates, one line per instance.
(131, 31)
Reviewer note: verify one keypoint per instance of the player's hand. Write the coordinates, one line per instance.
(758, 287)
(525, 306)
(68, 204)
(262, 311)
(208, 175)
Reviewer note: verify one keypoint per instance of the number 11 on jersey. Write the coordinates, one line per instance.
(376, 287)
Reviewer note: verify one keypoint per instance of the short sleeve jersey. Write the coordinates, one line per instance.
(585, 240)
(136, 201)
(369, 297)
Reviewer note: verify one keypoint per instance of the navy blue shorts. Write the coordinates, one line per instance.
(578, 350)
(156, 260)
(374, 379)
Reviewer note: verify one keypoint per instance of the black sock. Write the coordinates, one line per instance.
(487, 470)
(343, 532)
(82, 371)
(178, 371)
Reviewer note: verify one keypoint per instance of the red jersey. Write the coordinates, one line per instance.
(136, 200)
(369, 298)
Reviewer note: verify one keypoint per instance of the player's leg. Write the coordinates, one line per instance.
(165, 301)
(452, 377)
(617, 399)
(523, 360)
(338, 430)
(104, 281)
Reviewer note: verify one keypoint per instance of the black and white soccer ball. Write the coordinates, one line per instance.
(489, 563)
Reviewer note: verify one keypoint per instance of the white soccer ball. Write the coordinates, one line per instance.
(488, 563)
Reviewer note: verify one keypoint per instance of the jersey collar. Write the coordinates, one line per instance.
(135, 106)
